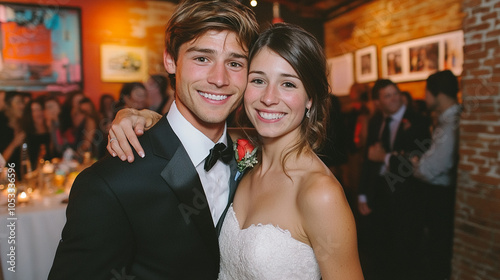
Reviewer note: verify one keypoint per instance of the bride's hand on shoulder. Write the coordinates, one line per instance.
(127, 125)
(330, 227)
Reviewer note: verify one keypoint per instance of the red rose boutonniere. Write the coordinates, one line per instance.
(406, 124)
(245, 153)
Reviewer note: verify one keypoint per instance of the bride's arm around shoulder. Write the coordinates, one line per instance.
(329, 224)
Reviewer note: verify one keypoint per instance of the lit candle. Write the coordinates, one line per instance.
(23, 197)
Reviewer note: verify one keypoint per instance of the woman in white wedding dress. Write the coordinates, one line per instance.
(289, 218)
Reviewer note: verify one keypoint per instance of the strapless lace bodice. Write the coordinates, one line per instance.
(263, 252)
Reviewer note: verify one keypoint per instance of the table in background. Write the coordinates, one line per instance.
(38, 230)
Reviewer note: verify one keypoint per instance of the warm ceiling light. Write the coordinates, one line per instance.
(253, 3)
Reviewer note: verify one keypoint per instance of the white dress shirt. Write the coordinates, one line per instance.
(438, 164)
(216, 181)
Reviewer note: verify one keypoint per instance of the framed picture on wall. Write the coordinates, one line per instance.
(453, 53)
(394, 63)
(366, 64)
(40, 48)
(341, 74)
(123, 63)
(416, 59)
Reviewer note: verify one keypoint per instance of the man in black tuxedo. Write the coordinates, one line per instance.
(388, 195)
(159, 218)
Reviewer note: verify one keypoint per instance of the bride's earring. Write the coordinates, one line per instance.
(308, 114)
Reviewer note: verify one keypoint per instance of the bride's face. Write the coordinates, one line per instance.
(275, 98)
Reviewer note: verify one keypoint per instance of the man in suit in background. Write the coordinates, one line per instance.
(159, 217)
(388, 196)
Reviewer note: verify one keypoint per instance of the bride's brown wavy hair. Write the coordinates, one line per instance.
(303, 52)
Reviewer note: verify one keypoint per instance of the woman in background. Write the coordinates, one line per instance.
(51, 112)
(37, 133)
(160, 95)
(106, 115)
(133, 95)
(85, 120)
(66, 136)
(13, 135)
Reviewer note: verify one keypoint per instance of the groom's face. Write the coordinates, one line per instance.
(211, 76)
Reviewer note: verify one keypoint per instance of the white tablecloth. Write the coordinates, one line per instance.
(38, 230)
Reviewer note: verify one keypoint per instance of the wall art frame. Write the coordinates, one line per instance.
(122, 64)
(416, 59)
(40, 48)
(366, 64)
(341, 74)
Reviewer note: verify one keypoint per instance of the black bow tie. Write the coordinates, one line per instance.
(219, 151)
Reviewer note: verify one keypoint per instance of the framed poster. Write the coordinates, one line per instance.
(123, 63)
(341, 74)
(40, 48)
(366, 64)
(417, 59)
(394, 63)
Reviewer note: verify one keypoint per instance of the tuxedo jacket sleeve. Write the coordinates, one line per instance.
(147, 220)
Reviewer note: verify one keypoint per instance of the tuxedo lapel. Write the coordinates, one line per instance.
(181, 176)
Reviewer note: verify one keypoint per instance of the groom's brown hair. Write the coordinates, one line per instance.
(193, 18)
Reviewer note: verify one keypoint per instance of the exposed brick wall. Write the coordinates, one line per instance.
(384, 22)
(477, 222)
(387, 22)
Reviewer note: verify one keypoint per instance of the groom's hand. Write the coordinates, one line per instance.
(127, 125)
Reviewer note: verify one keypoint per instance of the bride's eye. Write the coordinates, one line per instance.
(257, 81)
(289, 85)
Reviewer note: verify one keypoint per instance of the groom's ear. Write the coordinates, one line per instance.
(169, 62)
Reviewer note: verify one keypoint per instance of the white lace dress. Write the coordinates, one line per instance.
(263, 252)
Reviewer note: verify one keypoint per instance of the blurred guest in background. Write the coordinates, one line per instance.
(437, 168)
(407, 99)
(356, 124)
(160, 94)
(333, 153)
(3, 123)
(106, 115)
(86, 121)
(133, 95)
(66, 136)
(27, 97)
(421, 107)
(52, 111)
(37, 133)
(69, 106)
(3, 118)
(106, 111)
(389, 197)
(13, 134)
(88, 108)
(78, 130)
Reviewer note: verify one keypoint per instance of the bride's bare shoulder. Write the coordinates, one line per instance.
(320, 190)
